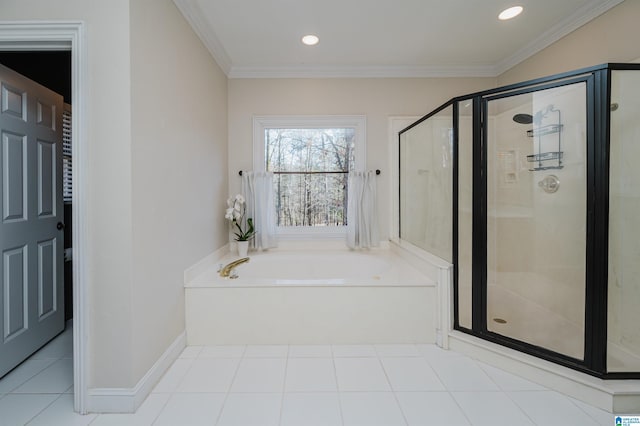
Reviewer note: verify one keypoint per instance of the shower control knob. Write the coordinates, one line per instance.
(549, 184)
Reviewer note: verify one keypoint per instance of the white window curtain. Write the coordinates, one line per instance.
(257, 188)
(362, 214)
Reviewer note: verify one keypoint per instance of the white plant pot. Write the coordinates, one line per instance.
(243, 248)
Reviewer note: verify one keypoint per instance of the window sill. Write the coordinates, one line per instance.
(288, 233)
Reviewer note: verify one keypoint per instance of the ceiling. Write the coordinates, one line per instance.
(380, 38)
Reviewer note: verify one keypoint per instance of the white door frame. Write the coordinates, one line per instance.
(68, 35)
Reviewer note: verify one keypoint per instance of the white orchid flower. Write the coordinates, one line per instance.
(235, 212)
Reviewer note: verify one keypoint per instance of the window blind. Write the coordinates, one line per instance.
(67, 182)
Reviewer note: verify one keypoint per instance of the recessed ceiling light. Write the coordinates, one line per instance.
(509, 13)
(310, 40)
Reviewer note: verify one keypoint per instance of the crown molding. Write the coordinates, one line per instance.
(308, 71)
(194, 16)
(582, 15)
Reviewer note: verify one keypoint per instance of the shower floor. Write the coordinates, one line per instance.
(512, 315)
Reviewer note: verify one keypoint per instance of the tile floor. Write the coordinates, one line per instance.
(390, 385)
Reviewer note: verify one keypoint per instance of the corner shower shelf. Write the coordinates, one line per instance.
(546, 156)
(543, 158)
(545, 130)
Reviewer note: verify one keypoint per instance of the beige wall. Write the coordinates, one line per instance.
(179, 170)
(155, 187)
(612, 37)
(377, 98)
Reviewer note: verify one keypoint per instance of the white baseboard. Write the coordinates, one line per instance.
(127, 400)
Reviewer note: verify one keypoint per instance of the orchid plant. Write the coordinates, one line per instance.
(236, 209)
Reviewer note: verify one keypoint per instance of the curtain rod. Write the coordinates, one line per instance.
(308, 173)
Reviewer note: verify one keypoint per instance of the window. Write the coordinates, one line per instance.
(310, 158)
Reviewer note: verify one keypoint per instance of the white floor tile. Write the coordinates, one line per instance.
(56, 378)
(310, 375)
(22, 373)
(60, 347)
(431, 408)
(490, 409)
(191, 409)
(61, 413)
(260, 375)
(190, 352)
(602, 417)
(18, 409)
(551, 409)
(173, 376)
(193, 391)
(509, 382)
(462, 374)
(360, 374)
(411, 374)
(353, 351)
(310, 351)
(222, 351)
(209, 375)
(434, 352)
(311, 409)
(145, 415)
(397, 350)
(266, 351)
(370, 409)
(248, 409)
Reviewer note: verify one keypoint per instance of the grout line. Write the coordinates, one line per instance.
(335, 376)
(52, 361)
(43, 409)
(174, 391)
(284, 385)
(233, 379)
(573, 401)
(160, 411)
(244, 351)
(455, 401)
(514, 402)
(449, 392)
(393, 391)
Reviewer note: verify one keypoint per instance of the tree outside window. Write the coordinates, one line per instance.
(311, 167)
(310, 157)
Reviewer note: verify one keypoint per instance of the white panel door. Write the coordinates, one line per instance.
(31, 236)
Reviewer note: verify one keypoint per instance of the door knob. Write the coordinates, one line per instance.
(60, 226)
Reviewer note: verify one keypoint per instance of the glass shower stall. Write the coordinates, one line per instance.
(531, 192)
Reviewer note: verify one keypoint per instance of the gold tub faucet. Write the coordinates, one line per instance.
(225, 271)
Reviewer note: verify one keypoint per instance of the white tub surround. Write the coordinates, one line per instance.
(311, 293)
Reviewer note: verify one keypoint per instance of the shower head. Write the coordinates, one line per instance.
(523, 118)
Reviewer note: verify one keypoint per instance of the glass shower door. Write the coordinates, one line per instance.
(536, 220)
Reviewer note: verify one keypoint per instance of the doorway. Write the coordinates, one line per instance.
(65, 36)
